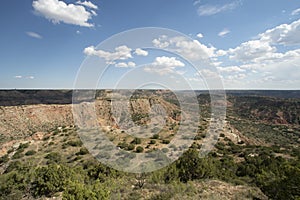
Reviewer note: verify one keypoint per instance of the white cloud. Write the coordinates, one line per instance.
(26, 77)
(236, 76)
(168, 62)
(224, 32)
(193, 49)
(58, 11)
(124, 64)
(165, 66)
(190, 49)
(264, 65)
(88, 4)
(34, 35)
(252, 51)
(231, 69)
(120, 53)
(161, 42)
(221, 52)
(141, 52)
(131, 64)
(94, 12)
(208, 73)
(196, 2)
(284, 34)
(199, 35)
(263, 50)
(207, 10)
(296, 12)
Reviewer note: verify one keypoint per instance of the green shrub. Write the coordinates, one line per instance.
(14, 166)
(51, 179)
(82, 151)
(152, 142)
(74, 143)
(166, 141)
(77, 190)
(53, 157)
(139, 149)
(122, 145)
(30, 153)
(46, 138)
(10, 151)
(155, 136)
(4, 159)
(136, 141)
(130, 147)
(17, 155)
(191, 166)
(13, 185)
(23, 146)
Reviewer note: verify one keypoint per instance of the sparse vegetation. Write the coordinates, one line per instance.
(254, 158)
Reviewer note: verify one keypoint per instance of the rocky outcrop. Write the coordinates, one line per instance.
(25, 120)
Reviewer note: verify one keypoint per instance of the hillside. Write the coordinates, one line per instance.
(256, 156)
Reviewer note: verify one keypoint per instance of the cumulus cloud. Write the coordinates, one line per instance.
(296, 12)
(260, 61)
(164, 65)
(121, 53)
(221, 52)
(88, 4)
(34, 35)
(284, 34)
(58, 11)
(231, 69)
(141, 52)
(264, 48)
(18, 77)
(224, 32)
(251, 51)
(190, 49)
(125, 65)
(161, 42)
(207, 10)
(168, 62)
(199, 35)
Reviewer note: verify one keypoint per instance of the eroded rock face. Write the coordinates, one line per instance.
(25, 120)
(28, 119)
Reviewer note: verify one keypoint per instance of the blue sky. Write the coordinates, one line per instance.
(253, 44)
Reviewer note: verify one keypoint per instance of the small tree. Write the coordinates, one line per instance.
(50, 179)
